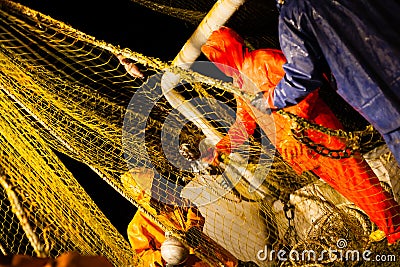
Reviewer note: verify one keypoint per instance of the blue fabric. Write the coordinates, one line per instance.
(358, 42)
(393, 141)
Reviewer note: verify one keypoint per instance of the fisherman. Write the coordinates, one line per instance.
(350, 176)
(359, 43)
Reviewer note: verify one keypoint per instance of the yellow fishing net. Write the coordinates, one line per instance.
(64, 91)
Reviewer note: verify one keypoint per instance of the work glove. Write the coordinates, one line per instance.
(261, 103)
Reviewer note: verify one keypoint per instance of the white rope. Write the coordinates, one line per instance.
(18, 210)
(216, 17)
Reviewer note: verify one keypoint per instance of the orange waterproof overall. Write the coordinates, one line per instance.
(352, 177)
(146, 237)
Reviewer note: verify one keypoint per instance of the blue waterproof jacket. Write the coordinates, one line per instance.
(358, 42)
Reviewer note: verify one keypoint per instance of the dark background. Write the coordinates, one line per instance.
(120, 22)
(127, 24)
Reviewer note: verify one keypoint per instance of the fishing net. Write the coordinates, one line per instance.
(65, 91)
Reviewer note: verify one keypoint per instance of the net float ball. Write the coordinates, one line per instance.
(173, 251)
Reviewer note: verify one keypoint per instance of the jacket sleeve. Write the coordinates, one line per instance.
(143, 234)
(238, 133)
(226, 48)
(305, 62)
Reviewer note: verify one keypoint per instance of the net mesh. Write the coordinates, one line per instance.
(63, 90)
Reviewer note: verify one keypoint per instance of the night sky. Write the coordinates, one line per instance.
(120, 22)
(123, 23)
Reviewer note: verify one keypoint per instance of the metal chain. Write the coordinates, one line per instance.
(353, 139)
(290, 234)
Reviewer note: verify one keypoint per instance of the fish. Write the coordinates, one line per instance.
(130, 66)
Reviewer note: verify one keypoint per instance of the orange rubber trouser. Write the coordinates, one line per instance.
(355, 180)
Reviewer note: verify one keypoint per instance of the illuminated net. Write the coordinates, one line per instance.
(62, 90)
